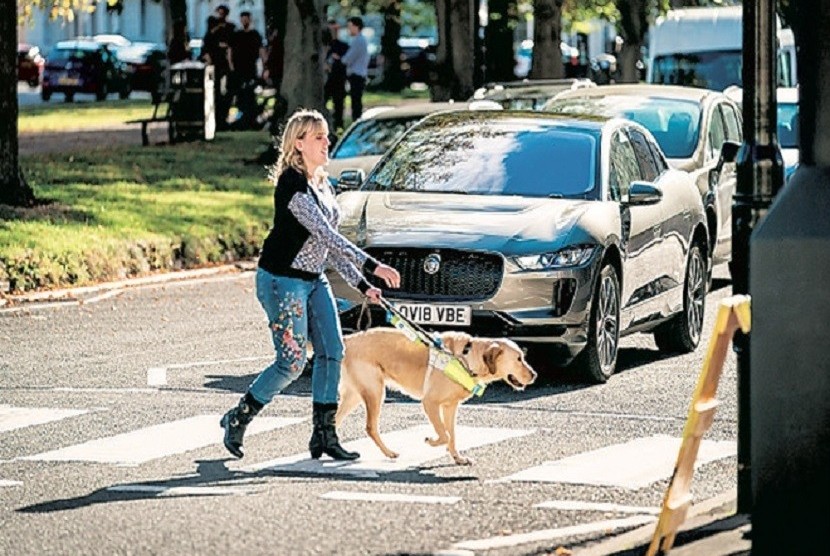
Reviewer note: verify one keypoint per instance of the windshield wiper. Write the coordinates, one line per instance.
(555, 196)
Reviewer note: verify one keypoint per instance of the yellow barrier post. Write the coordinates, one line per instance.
(733, 313)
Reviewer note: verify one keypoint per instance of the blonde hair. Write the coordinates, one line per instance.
(298, 126)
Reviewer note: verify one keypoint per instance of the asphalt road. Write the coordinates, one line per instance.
(110, 444)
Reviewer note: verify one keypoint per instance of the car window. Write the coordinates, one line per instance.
(716, 70)
(717, 134)
(373, 137)
(623, 166)
(492, 155)
(733, 124)
(787, 125)
(674, 123)
(645, 158)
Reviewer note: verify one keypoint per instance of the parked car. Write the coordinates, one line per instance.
(146, 64)
(82, 66)
(528, 94)
(417, 58)
(698, 130)
(562, 230)
(787, 126)
(29, 64)
(367, 140)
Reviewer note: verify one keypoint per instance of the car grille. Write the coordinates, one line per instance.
(461, 275)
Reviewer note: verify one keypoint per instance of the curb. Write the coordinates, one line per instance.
(74, 293)
(711, 509)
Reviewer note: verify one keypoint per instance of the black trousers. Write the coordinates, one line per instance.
(335, 90)
(356, 85)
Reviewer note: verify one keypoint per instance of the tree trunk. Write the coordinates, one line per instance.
(302, 84)
(633, 27)
(547, 29)
(13, 187)
(498, 40)
(391, 51)
(440, 82)
(463, 14)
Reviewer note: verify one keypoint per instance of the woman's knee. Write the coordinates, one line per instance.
(290, 348)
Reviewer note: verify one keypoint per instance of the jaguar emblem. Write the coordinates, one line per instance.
(432, 263)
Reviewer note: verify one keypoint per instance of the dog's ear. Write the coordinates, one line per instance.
(491, 353)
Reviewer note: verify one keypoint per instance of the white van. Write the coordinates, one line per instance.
(702, 47)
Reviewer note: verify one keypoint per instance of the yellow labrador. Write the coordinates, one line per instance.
(383, 357)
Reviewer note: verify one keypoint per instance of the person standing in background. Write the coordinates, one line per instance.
(246, 50)
(356, 61)
(335, 88)
(217, 47)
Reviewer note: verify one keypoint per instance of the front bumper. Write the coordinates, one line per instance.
(550, 307)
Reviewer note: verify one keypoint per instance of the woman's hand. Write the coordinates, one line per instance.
(373, 294)
(388, 275)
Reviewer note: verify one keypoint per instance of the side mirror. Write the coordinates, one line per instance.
(350, 179)
(643, 193)
(728, 154)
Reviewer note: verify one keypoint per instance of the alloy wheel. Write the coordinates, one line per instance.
(695, 296)
(607, 323)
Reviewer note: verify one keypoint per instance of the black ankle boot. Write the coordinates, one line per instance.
(324, 438)
(236, 421)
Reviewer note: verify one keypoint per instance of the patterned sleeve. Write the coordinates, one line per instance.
(349, 272)
(307, 213)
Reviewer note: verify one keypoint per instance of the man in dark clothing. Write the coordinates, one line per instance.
(246, 49)
(335, 88)
(217, 47)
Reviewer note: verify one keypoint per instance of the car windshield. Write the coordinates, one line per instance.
(67, 54)
(486, 155)
(675, 124)
(715, 70)
(373, 137)
(788, 125)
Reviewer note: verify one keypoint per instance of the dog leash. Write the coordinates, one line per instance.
(439, 356)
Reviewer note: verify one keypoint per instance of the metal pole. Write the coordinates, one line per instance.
(760, 170)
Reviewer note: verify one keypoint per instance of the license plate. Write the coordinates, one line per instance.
(68, 81)
(447, 315)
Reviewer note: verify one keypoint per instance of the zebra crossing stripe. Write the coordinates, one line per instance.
(577, 505)
(12, 418)
(157, 441)
(160, 490)
(547, 535)
(7, 483)
(632, 465)
(389, 497)
(409, 443)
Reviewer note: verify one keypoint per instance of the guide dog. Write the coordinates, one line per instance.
(383, 357)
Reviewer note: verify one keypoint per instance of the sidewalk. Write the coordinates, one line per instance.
(712, 528)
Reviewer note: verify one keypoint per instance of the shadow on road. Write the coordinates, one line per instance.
(213, 478)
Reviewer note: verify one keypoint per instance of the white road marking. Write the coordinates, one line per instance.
(12, 418)
(156, 376)
(217, 362)
(387, 497)
(103, 296)
(38, 307)
(577, 505)
(6, 483)
(603, 527)
(157, 441)
(81, 390)
(408, 442)
(182, 491)
(633, 465)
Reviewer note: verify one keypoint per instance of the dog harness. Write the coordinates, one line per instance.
(439, 358)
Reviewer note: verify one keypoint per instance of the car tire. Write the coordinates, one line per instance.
(45, 95)
(69, 97)
(124, 93)
(598, 361)
(33, 83)
(101, 94)
(683, 332)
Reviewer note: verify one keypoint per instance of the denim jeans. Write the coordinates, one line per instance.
(299, 311)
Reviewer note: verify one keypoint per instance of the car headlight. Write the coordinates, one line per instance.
(564, 258)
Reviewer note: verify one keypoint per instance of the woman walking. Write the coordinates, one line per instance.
(293, 290)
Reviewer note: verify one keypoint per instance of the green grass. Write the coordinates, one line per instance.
(130, 211)
(61, 116)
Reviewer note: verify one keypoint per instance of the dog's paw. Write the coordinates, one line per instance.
(461, 460)
(435, 441)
